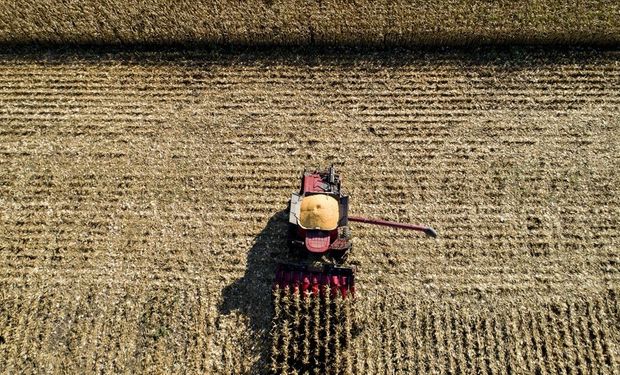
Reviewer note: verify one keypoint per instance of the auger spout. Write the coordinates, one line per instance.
(421, 228)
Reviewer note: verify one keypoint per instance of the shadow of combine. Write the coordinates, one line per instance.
(309, 334)
(252, 294)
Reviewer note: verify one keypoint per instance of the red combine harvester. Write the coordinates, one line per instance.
(320, 238)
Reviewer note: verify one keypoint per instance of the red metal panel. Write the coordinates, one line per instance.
(312, 183)
(300, 280)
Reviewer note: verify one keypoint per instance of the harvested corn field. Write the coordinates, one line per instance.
(142, 195)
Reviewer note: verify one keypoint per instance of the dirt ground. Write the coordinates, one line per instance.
(141, 199)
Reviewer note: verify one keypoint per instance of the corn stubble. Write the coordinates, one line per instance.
(136, 188)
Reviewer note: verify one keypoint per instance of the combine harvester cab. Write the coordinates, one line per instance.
(320, 238)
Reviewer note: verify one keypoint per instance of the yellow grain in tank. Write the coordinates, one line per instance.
(319, 211)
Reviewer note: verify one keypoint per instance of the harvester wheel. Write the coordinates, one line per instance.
(293, 245)
(295, 249)
(340, 256)
(291, 231)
